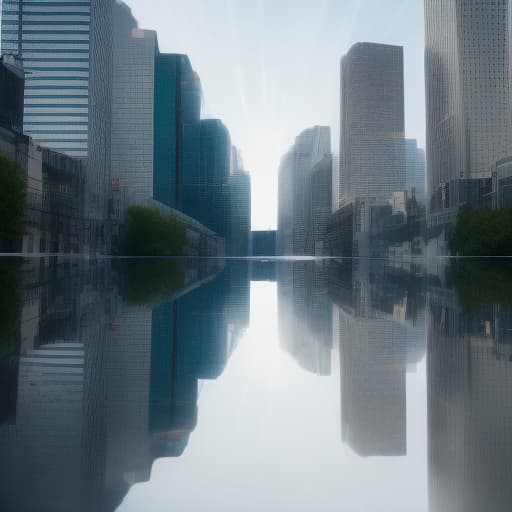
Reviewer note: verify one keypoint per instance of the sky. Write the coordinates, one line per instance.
(270, 68)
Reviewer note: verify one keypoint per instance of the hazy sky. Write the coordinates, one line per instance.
(270, 68)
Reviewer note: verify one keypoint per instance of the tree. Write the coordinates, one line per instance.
(12, 200)
(484, 233)
(150, 233)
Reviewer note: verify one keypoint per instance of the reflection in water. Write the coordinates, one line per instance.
(101, 366)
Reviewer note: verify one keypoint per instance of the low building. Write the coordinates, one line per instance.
(263, 243)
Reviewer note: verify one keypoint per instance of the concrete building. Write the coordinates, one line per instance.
(372, 144)
(295, 232)
(467, 74)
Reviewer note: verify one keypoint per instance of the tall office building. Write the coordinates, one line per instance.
(295, 223)
(177, 114)
(467, 97)
(66, 49)
(133, 107)
(372, 156)
(321, 203)
(207, 194)
(52, 38)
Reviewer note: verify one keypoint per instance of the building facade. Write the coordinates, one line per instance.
(52, 39)
(295, 220)
(372, 152)
(467, 70)
(416, 168)
(239, 239)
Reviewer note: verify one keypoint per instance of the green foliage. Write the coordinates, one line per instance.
(483, 282)
(151, 233)
(484, 233)
(149, 282)
(12, 200)
(10, 304)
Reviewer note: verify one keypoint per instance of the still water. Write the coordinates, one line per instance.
(211, 385)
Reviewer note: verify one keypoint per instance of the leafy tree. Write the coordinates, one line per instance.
(151, 233)
(12, 200)
(484, 233)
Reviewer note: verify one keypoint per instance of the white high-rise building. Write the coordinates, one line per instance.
(467, 55)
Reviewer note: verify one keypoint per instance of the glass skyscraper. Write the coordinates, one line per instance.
(176, 127)
(52, 38)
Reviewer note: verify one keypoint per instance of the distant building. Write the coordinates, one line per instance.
(239, 239)
(295, 232)
(264, 243)
(415, 169)
(372, 144)
(321, 203)
(467, 74)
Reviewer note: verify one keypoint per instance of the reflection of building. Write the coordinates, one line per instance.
(469, 406)
(105, 387)
(374, 313)
(467, 97)
(295, 233)
(305, 315)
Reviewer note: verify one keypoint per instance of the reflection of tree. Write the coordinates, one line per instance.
(483, 282)
(143, 282)
(9, 302)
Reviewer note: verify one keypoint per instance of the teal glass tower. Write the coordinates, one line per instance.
(176, 127)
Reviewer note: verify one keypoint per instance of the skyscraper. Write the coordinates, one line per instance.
(295, 222)
(177, 114)
(52, 38)
(372, 153)
(467, 96)
(321, 203)
(66, 52)
(133, 106)
(207, 194)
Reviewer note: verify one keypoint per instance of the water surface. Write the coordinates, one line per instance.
(235, 385)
